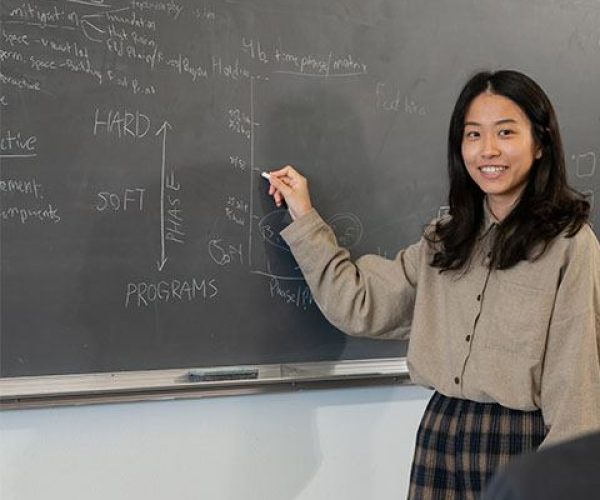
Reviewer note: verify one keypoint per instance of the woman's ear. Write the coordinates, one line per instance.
(538, 153)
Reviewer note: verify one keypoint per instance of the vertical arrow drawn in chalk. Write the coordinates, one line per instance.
(163, 257)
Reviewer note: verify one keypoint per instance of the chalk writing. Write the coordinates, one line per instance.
(585, 164)
(237, 204)
(13, 142)
(183, 65)
(205, 14)
(141, 39)
(14, 38)
(236, 210)
(143, 294)
(233, 71)
(412, 108)
(254, 50)
(397, 102)
(223, 254)
(270, 226)
(21, 82)
(63, 47)
(116, 202)
(349, 64)
(83, 66)
(25, 215)
(115, 33)
(298, 296)
(150, 57)
(31, 13)
(171, 8)
(131, 84)
(240, 123)
(122, 123)
(131, 18)
(317, 65)
(174, 216)
(237, 162)
(39, 64)
(11, 55)
(311, 64)
(26, 187)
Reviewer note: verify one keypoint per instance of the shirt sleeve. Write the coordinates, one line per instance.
(372, 297)
(570, 382)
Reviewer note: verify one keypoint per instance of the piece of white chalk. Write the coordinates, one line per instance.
(266, 175)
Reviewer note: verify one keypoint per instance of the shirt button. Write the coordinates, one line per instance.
(479, 298)
(467, 338)
(456, 380)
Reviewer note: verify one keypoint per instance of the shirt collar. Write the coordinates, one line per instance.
(489, 219)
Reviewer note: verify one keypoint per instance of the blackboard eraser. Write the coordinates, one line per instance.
(222, 374)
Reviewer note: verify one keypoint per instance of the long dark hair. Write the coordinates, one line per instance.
(547, 205)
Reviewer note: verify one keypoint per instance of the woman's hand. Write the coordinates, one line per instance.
(289, 186)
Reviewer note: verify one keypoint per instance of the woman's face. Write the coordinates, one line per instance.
(498, 149)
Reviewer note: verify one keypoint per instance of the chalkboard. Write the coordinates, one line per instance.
(137, 233)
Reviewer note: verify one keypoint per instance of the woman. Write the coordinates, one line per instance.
(501, 297)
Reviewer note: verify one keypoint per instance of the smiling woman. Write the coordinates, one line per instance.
(505, 149)
(512, 269)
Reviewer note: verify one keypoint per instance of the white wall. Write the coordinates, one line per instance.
(351, 444)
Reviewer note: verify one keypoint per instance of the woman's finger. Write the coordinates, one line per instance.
(288, 173)
(283, 187)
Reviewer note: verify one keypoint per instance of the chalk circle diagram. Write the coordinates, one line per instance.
(348, 229)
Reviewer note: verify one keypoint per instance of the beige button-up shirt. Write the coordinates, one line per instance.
(526, 337)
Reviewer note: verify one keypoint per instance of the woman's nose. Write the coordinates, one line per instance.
(489, 146)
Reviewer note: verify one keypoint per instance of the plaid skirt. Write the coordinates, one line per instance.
(461, 443)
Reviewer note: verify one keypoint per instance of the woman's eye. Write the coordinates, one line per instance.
(471, 134)
(506, 132)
